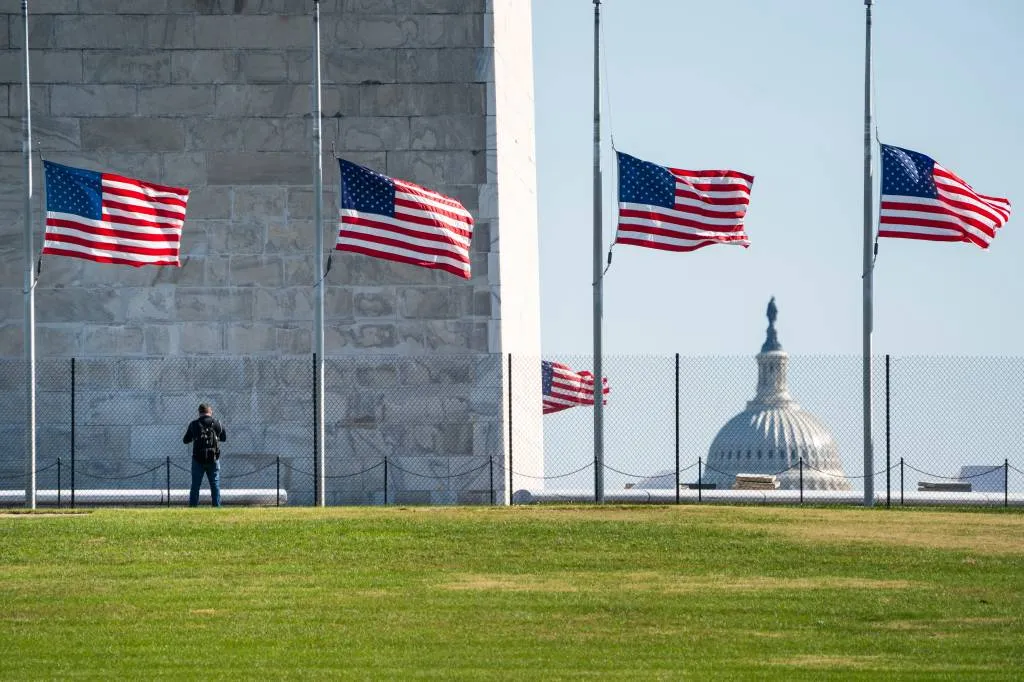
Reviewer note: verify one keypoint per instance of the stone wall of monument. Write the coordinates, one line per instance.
(215, 95)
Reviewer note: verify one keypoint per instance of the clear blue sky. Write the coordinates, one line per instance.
(775, 88)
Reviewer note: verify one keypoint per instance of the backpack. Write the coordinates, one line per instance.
(209, 445)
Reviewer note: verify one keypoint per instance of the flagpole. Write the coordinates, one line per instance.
(868, 268)
(598, 276)
(318, 196)
(30, 295)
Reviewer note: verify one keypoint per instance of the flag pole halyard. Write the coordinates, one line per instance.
(318, 196)
(30, 301)
(868, 270)
(598, 275)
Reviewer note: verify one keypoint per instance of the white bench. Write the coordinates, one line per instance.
(939, 487)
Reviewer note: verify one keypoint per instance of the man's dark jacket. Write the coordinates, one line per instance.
(193, 431)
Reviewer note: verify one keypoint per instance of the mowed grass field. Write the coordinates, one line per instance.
(539, 593)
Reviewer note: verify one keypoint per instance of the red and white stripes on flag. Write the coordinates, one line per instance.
(397, 220)
(680, 210)
(563, 387)
(923, 200)
(111, 218)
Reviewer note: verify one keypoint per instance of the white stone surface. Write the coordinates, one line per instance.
(217, 98)
(512, 179)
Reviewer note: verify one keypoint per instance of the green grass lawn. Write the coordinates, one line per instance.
(534, 593)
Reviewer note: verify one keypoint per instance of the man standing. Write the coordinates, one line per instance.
(205, 434)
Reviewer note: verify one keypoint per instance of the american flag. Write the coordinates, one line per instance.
(680, 210)
(397, 220)
(564, 388)
(923, 200)
(110, 218)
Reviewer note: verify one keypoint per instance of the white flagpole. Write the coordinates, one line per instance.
(30, 296)
(868, 268)
(318, 196)
(598, 275)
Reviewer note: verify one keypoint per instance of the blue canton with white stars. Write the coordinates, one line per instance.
(365, 190)
(73, 190)
(907, 173)
(643, 182)
(547, 376)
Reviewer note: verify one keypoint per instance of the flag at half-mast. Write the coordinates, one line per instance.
(680, 210)
(923, 200)
(400, 221)
(563, 387)
(110, 218)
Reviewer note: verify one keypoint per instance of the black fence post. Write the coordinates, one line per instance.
(490, 473)
(901, 481)
(677, 428)
(1006, 482)
(700, 484)
(169, 481)
(385, 481)
(279, 480)
(316, 427)
(888, 461)
(58, 483)
(510, 491)
(72, 432)
(801, 480)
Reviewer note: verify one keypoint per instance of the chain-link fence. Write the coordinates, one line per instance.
(469, 430)
(946, 430)
(397, 430)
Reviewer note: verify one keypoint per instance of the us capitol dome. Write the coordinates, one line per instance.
(773, 433)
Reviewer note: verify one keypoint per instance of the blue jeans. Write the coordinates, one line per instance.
(212, 471)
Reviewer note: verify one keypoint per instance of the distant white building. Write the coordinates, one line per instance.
(988, 478)
(773, 434)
